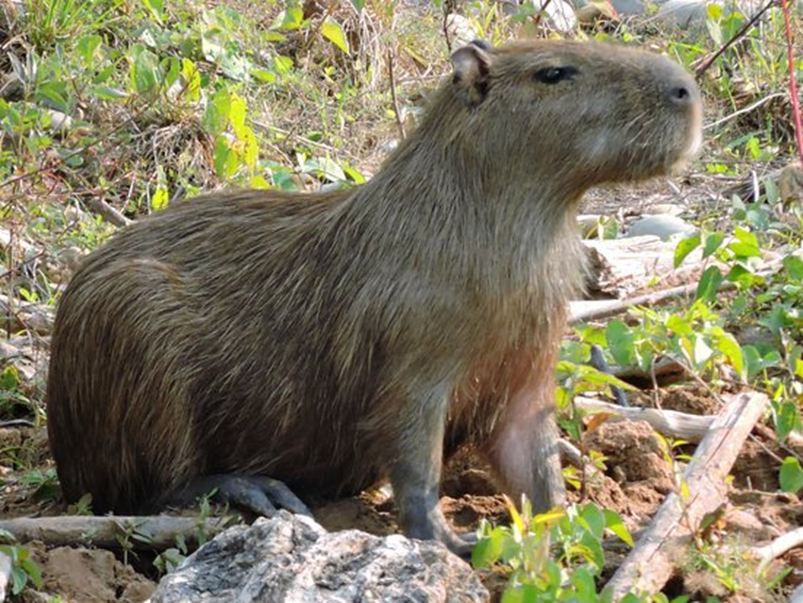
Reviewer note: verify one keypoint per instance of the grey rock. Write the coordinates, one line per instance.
(663, 226)
(291, 558)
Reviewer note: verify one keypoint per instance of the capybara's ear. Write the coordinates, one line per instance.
(471, 65)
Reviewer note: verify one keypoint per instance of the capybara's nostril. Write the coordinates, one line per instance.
(682, 93)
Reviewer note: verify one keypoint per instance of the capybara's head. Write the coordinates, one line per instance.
(574, 113)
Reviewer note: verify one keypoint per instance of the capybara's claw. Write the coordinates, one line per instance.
(258, 494)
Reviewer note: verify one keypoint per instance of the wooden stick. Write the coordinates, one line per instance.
(670, 423)
(107, 212)
(617, 306)
(650, 564)
(778, 547)
(153, 532)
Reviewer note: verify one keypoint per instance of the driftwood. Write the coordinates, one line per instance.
(776, 548)
(623, 266)
(651, 563)
(597, 310)
(584, 311)
(670, 423)
(152, 532)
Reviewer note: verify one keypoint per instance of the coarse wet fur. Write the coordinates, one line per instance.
(330, 340)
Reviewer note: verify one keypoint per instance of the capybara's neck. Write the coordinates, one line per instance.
(446, 185)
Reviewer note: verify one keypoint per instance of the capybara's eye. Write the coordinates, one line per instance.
(553, 75)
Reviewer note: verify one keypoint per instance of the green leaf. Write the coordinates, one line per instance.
(282, 64)
(594, 518)
(192, 80)
(225, 159)
(613, 521)
(787, 418)
(216, 115)
(237, 115)
(745, 245)
(513, 595)
(156, 8)
(87, 46)
(358, 4)
(791, 476)
(685, 247)
(709, 284)
(263, 75)
(794, 266)
(727, 344)
(488, 549)
(711, 242)
(621, 342)
(290, 18)
(332, 31)
(108, 93)
(30, 567)
(145, 71)
(258, 182)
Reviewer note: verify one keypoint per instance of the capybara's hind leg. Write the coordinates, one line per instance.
(525, 450)
(258, 494)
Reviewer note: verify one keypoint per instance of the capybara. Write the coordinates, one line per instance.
(247, 339)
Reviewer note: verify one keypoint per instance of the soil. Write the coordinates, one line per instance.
(637, 478)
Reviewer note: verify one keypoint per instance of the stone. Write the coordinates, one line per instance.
(291, 558)
(663, 226)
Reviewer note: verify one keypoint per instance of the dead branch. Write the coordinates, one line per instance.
(670, 423)
(111, 215)
(776, 548)
(396, 108)
(650, 564)
(605, 309)
(152, 532)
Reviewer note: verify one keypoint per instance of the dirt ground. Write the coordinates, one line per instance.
(634, 485)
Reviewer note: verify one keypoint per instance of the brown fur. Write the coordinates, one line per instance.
(329, 340)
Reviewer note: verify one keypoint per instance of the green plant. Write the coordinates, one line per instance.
(522, 551)
(23, 567)
(45, 484)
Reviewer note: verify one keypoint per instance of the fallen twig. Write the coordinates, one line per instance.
(617, 306)
(650, 564)
(108, 213)
(778, 547)
(153, 532)
(396, 109)
(670, 423)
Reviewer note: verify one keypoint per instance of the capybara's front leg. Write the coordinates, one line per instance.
(415, 471)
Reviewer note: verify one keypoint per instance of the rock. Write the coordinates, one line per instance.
(663, 226)
(460, 30)
(559, 13)
(790, 184)
(292, 558)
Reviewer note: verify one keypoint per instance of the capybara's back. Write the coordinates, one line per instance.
(331, 340)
